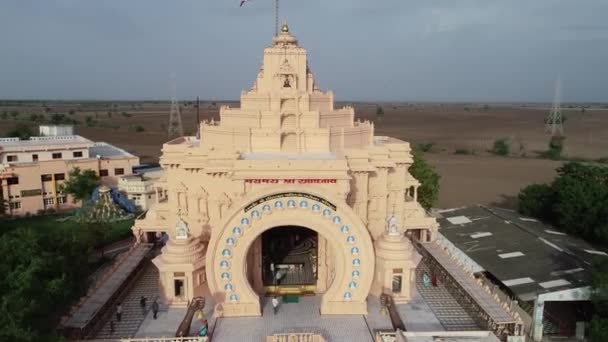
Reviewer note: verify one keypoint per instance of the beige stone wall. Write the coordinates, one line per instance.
(286, 139)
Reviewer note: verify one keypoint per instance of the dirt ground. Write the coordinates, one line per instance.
(472, 176)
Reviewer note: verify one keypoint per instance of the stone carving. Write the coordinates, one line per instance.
(391, 226)
(181, 229)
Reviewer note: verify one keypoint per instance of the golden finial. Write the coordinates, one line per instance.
(285, 28)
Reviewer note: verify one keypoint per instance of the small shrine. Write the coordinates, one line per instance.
(396, 261)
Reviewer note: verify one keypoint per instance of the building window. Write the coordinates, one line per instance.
(77, 154)
(34, 157)
(12, 158)
(13, 180)
(46, 178)
(119, 171)
(397, 279)
(103, 173)
(48, 201)
(15, 205)
(57, 155)
(59, 176)
(62, 199)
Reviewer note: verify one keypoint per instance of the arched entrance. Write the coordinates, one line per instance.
(328, 217)
(287, 262)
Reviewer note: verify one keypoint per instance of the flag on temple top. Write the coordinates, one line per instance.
(243, 2)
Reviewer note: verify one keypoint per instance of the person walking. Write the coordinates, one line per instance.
(142, 303)
(118, 312)
(155, 308)
(426, 280)
(275, 304)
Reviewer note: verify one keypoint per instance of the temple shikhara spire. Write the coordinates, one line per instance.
(286, 193)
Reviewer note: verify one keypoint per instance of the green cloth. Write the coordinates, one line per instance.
(291, 299)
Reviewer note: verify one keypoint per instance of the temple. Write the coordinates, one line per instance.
(286, 195)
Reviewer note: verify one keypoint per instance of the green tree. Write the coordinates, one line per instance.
(599, 284)
(38, 118)
(576, 201)
(89, 121)
(428, 192)
(4, 115)
(14, 114)
(57, 119)
(80, 184)
(581, 200)
(21, 131)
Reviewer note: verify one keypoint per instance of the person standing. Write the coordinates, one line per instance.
(142, 303)
(119, 312)
(275, 304)
(155, 308)
(426, 280)
(111, 326)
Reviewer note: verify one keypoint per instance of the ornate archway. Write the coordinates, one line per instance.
(328, 216)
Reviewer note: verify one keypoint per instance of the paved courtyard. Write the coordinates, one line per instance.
(295, 317)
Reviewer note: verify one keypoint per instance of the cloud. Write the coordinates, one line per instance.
(385, 50)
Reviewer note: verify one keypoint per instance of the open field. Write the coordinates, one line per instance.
(474, 176)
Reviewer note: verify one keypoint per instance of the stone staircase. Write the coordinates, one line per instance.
(450, 314)
(132, 316)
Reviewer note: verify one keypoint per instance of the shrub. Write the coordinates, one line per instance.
(136, 128)
(125, 114)
(463, 151)
(556, 146)
(502, 147)
(379, 111)
(425, 147)
(536, 200)
(89, 121)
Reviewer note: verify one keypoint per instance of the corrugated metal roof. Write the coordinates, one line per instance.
(553, 260)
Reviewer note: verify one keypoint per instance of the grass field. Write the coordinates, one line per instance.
(459, 136)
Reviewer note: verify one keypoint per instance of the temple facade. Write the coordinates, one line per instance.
(286, 195)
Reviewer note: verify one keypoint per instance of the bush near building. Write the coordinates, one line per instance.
(428, 192)
(577, 202)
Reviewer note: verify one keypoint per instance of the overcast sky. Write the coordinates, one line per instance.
(406, 50)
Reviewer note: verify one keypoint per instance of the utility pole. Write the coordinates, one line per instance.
(554, 121)
(175, 118)
(198, 118)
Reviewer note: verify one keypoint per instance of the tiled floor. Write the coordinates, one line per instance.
(293, 317)
(447, 310)
(132, 315)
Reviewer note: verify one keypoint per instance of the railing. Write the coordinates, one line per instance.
(153, 339)
(295, 337)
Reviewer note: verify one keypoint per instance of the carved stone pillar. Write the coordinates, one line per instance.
(360, 193)
(378, 194)
(322, 269)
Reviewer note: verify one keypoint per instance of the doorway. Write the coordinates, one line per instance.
(289, 260)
